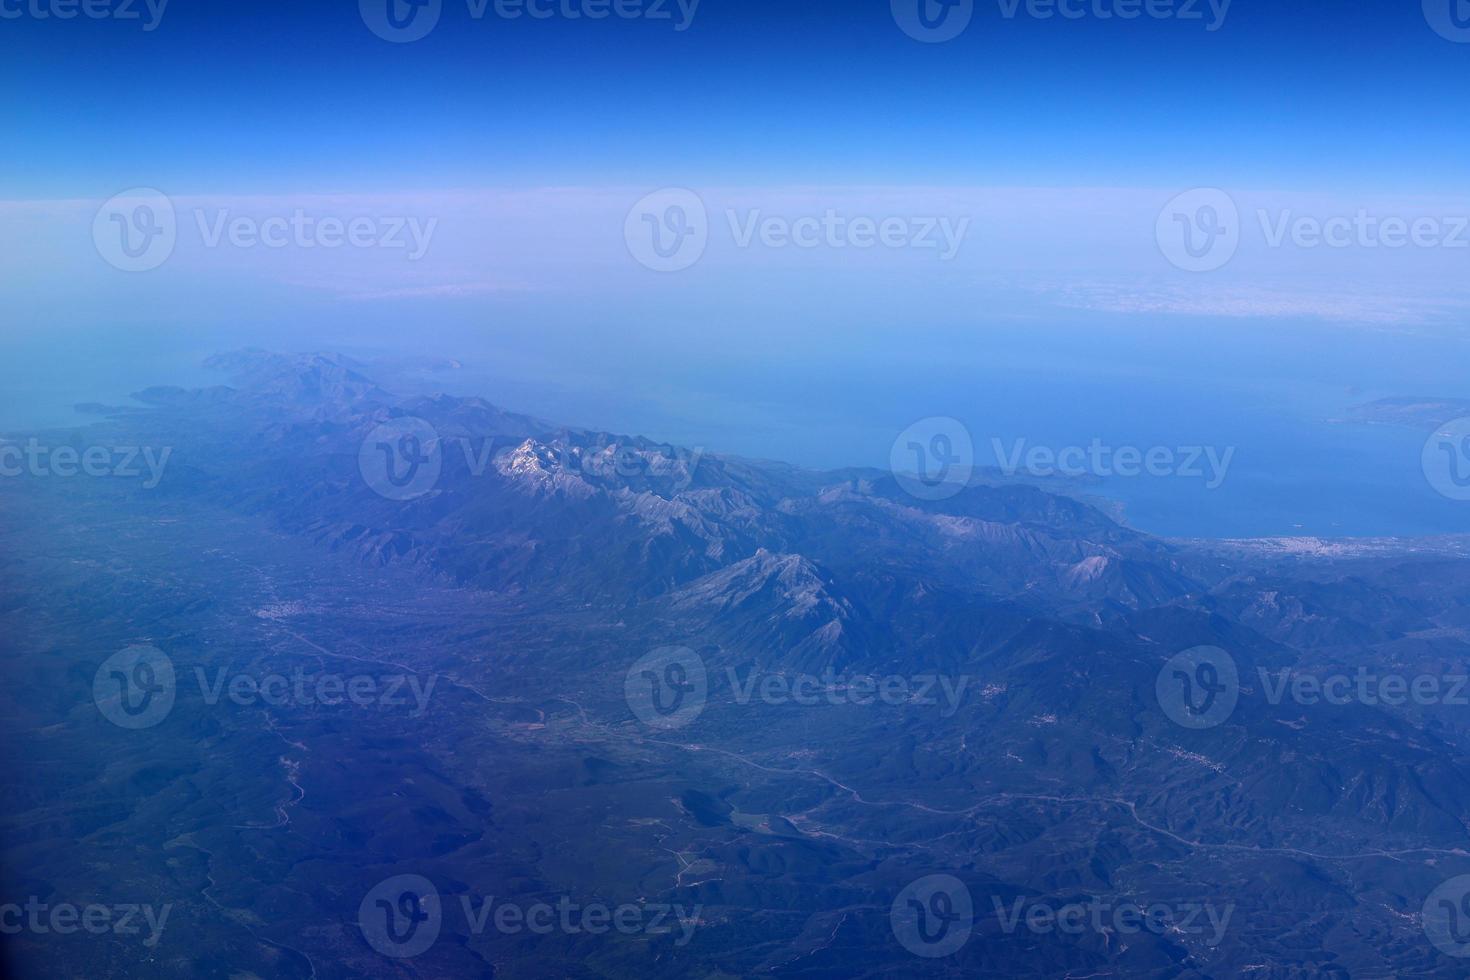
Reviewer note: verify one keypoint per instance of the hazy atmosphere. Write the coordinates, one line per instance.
(909, 488)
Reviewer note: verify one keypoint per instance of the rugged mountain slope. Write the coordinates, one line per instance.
(531, 500)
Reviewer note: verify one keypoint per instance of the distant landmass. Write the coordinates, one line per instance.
(1412, 412)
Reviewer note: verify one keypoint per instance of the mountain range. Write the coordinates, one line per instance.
(311, 514)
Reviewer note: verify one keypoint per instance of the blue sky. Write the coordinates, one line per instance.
(273, 97)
